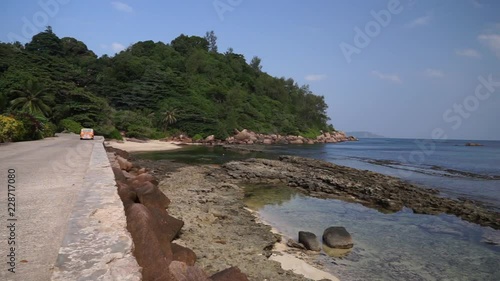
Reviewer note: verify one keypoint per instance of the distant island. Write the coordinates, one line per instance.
(363, 134)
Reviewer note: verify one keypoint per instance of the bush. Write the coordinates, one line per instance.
(49, 129)
(156, 135)
(10, 129)
(32, 126)
(108, 132)
(139, 132)
(197, 137)
(69, 125)
(311, 133)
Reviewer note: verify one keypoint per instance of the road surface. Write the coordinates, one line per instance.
(48, 175)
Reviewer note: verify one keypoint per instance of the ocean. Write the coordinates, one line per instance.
(398, 246)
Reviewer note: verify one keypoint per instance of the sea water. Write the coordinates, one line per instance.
(399, 246)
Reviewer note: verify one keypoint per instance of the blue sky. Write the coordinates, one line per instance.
(415, 75)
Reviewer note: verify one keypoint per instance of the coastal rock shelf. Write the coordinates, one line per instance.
(326, 180)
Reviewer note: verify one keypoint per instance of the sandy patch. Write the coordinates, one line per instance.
(151, 145)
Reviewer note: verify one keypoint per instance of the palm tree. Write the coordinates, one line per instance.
(33, 98)
(169, 117)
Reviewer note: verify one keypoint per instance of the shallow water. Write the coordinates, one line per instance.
(399, 246)
(451, 167)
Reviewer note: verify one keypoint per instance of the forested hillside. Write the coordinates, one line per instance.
(151, 90)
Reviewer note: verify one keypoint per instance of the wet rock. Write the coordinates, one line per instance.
(327, 180)
(293, 244)
(337, 237)
(473, 144)
(230, 274)
(309, 240)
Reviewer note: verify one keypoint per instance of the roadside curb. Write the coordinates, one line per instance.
(97, 245)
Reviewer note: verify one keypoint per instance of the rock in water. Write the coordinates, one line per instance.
(309, 241)
(337, 237)
(473, 144)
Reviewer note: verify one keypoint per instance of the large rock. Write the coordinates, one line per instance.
(243, 135)
(127, 195)
(124, 163)
(267, 141)
(296, 141)
(170, 227)
(183, 254)
(210, 138)
(473, 144)
(150, 196)
(337, 237)
(230, 274)
(148, 251)
(183, 272)
(145, 177)
(309, 240)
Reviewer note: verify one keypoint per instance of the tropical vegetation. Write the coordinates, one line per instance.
(149, 90)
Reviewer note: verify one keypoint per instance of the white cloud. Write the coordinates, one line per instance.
(315, 77)
(386, 76)
(425, 20)
(434, 73)
(120, 6)
(492, 41)
(468, 53)
(117, 47)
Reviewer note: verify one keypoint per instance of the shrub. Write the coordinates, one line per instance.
(156, 135)
(108, 132)
(49, 129)
(10, 129)
(139, 132)
(33, 128)
(69, 125)
(197, 137)
(311, 133)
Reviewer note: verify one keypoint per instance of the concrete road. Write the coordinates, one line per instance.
(48, 176)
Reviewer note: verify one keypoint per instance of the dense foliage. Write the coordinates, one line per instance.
(153, 89)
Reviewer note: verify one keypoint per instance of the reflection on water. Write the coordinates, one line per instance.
(202, 155)
(258, 196)
(399, 246)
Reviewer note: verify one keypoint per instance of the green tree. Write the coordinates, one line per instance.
(33, 98)
(255, 64)
(212, 41)
(169, 117)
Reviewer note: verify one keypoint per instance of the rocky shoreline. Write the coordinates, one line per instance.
(221, 233)
(326, 180)
(247, 137)
(208, 234)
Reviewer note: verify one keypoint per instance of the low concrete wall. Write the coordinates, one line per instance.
(97, 245)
